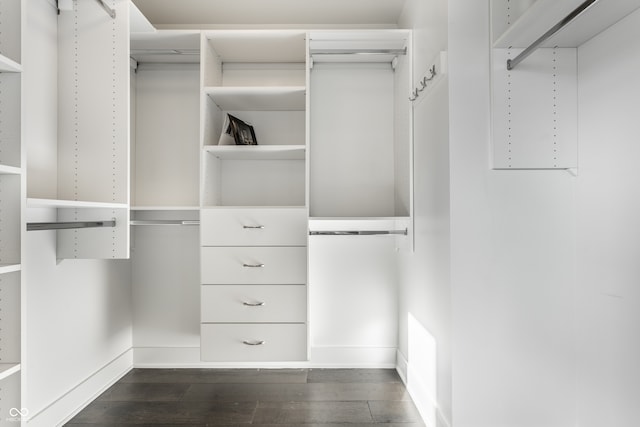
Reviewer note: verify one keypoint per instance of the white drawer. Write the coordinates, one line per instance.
(254, 303)
(253, 227)
(253, 265)
(271, 342)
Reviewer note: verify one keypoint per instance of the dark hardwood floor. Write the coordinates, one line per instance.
(267, 398)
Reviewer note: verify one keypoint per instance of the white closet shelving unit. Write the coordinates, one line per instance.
(361, 148)
(12, 206)
(93, 122)
(254, 215)
(534, 109)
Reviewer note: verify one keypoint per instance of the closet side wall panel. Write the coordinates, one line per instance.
(93, 103)
(424, 283)
(78, 317)
(608, 227)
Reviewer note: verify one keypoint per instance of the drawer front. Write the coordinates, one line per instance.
(253, 227)
(253, 265)
(254, 303)
(271, 342)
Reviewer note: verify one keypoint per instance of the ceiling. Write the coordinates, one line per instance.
(207, 14)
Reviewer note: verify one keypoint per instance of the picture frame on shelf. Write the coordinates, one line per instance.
(226, 138)
(242, 132)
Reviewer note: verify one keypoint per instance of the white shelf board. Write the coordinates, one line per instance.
(359, 223)
(544, 14)
(165, 208)
(9, 170)
(8, 369)
(72, 204)
(257, 152)
(8, 65)
(9, 268)
(253, 207)
(261, 98)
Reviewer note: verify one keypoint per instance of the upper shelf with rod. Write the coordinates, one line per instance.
(520, 23)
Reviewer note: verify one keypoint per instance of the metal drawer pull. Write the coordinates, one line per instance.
(253, 227)
(255, 342)
(254, 304)
(253, 265)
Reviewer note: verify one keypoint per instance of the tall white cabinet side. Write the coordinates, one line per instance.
(12, 204)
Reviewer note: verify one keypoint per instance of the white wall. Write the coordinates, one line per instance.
(608, 241)
(513, 239)
(78, 311)
(424, 282)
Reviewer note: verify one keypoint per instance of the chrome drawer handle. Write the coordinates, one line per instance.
(254, 304)
(253, 265)
(254, 342)
(253, 227)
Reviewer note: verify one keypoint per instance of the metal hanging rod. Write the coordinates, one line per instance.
(359, 233)
(36, 226)
(164, 222)
(111, 12)
(402, 51)
(512, 63)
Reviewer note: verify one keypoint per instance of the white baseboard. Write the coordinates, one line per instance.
(73, 401)
(321, 357)
(424, 400)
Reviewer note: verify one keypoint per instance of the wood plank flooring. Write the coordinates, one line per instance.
(241, 397)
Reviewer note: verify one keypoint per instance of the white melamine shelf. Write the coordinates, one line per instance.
(72, 204)
(257, 152)
(9, 170)
(9, 65)
(165, 208)
(261, 98)
(544, 14)
(9, 268)
(8, 369)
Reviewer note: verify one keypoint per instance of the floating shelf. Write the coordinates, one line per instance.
(8, 369)
(72, 204)
(9, 170)
(257, 152)
(9, 268)
(544, 14)
(8, 65)
(262, 98)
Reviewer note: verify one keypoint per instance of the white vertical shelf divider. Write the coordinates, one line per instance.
(93, 127)
(12, 202)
